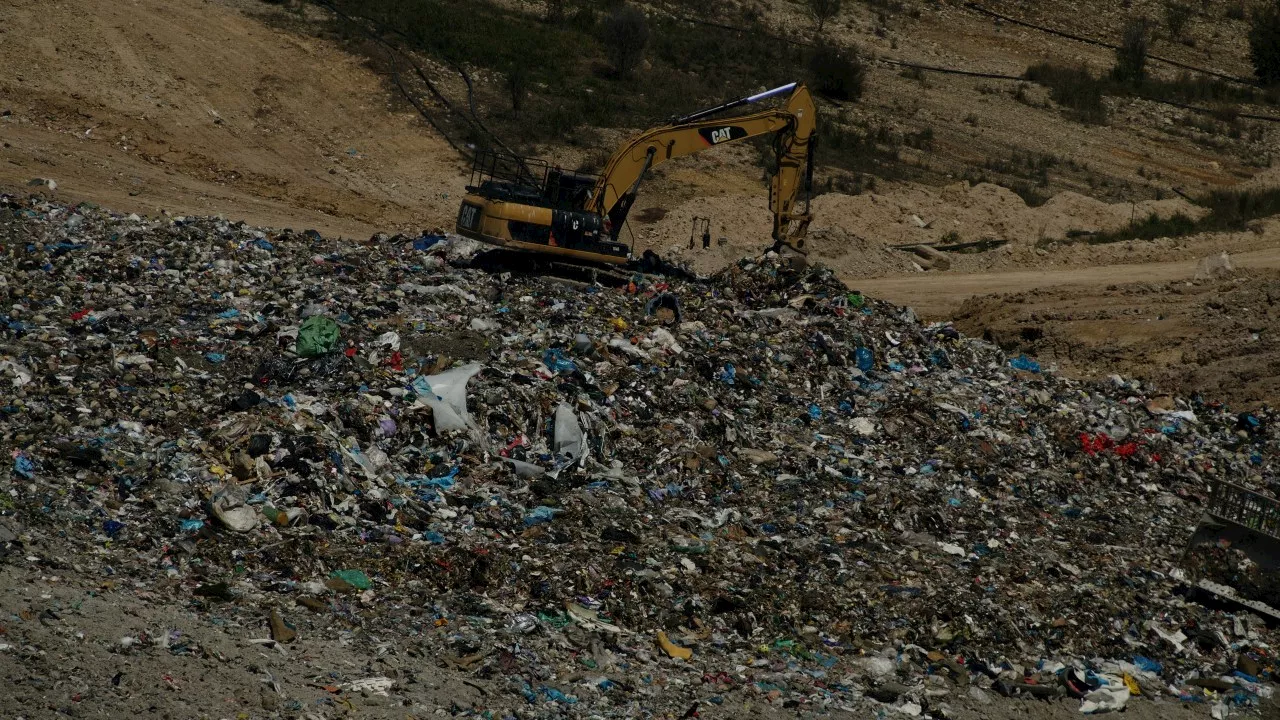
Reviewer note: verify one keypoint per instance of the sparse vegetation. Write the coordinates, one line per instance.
(1131, 56)
(554, 11)
(835, 73)
(870, 149)
(891, 7)
(1176, 18)
(689, 66)
(822, 11)
(1228, 210)
(1021, 94)
(1032, 166)
(914, 73)
(625, 34)
(1029, 193)
(1191, 88)
(1264, 43)
(848, 184)
(1149, 228)
(1073, 88)
(1081, 93)
(517, 86)
(558, 96)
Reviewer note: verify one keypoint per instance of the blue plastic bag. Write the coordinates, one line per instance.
(1022, 362)
(23, 466)
(426, 241)
(1147, 664)
(866, 359)
(556, 362)
(541, 514)
(728, 373)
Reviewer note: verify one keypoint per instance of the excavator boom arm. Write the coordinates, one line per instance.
(792, 123)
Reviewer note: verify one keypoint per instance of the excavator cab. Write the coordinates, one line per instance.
(525, 204)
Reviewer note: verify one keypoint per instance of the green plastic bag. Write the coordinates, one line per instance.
(317, 336)
(354, 578)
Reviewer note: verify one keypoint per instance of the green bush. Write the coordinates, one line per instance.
(1176, 18)
(1073, 88)
(823, 10)
(1228, 210)
(1264, 43)
(1131, 56)
(836, 73)
(1231, 209)
(625, 34)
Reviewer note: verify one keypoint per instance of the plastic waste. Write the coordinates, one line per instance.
(232, 513)
(567, 434)
(21, 374)
(426, 242)
(556, 362)
(677, 481)
(540, 514)
(317, 336)
(667, 302)
(1147, 664)
(866, 360)
(1112, 697)
(1022, 362)
(355, 578)
(446, 395)
(372, 685)
(671, 649)
(23, 466)
(525, 469)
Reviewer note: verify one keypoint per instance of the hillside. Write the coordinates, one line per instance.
(205, 109)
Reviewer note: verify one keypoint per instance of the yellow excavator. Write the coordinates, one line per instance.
(527, 205)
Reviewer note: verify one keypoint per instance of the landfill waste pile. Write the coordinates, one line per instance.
(762, 490)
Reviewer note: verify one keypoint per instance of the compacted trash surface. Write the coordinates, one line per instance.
(265, 473)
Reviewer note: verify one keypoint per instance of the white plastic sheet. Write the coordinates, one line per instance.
(568, 433)
(1109, 698)
(446, 395)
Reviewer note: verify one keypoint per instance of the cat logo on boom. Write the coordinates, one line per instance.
(722, 134)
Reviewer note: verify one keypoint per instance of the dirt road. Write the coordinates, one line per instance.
(940, 295)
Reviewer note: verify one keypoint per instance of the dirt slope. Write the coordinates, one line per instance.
(202, 108)
(1216, 338)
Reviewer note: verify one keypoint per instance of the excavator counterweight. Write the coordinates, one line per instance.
(529, 205)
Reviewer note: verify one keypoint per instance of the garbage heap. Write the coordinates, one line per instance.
(660, 496)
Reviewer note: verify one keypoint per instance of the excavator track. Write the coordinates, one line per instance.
(648, 266)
